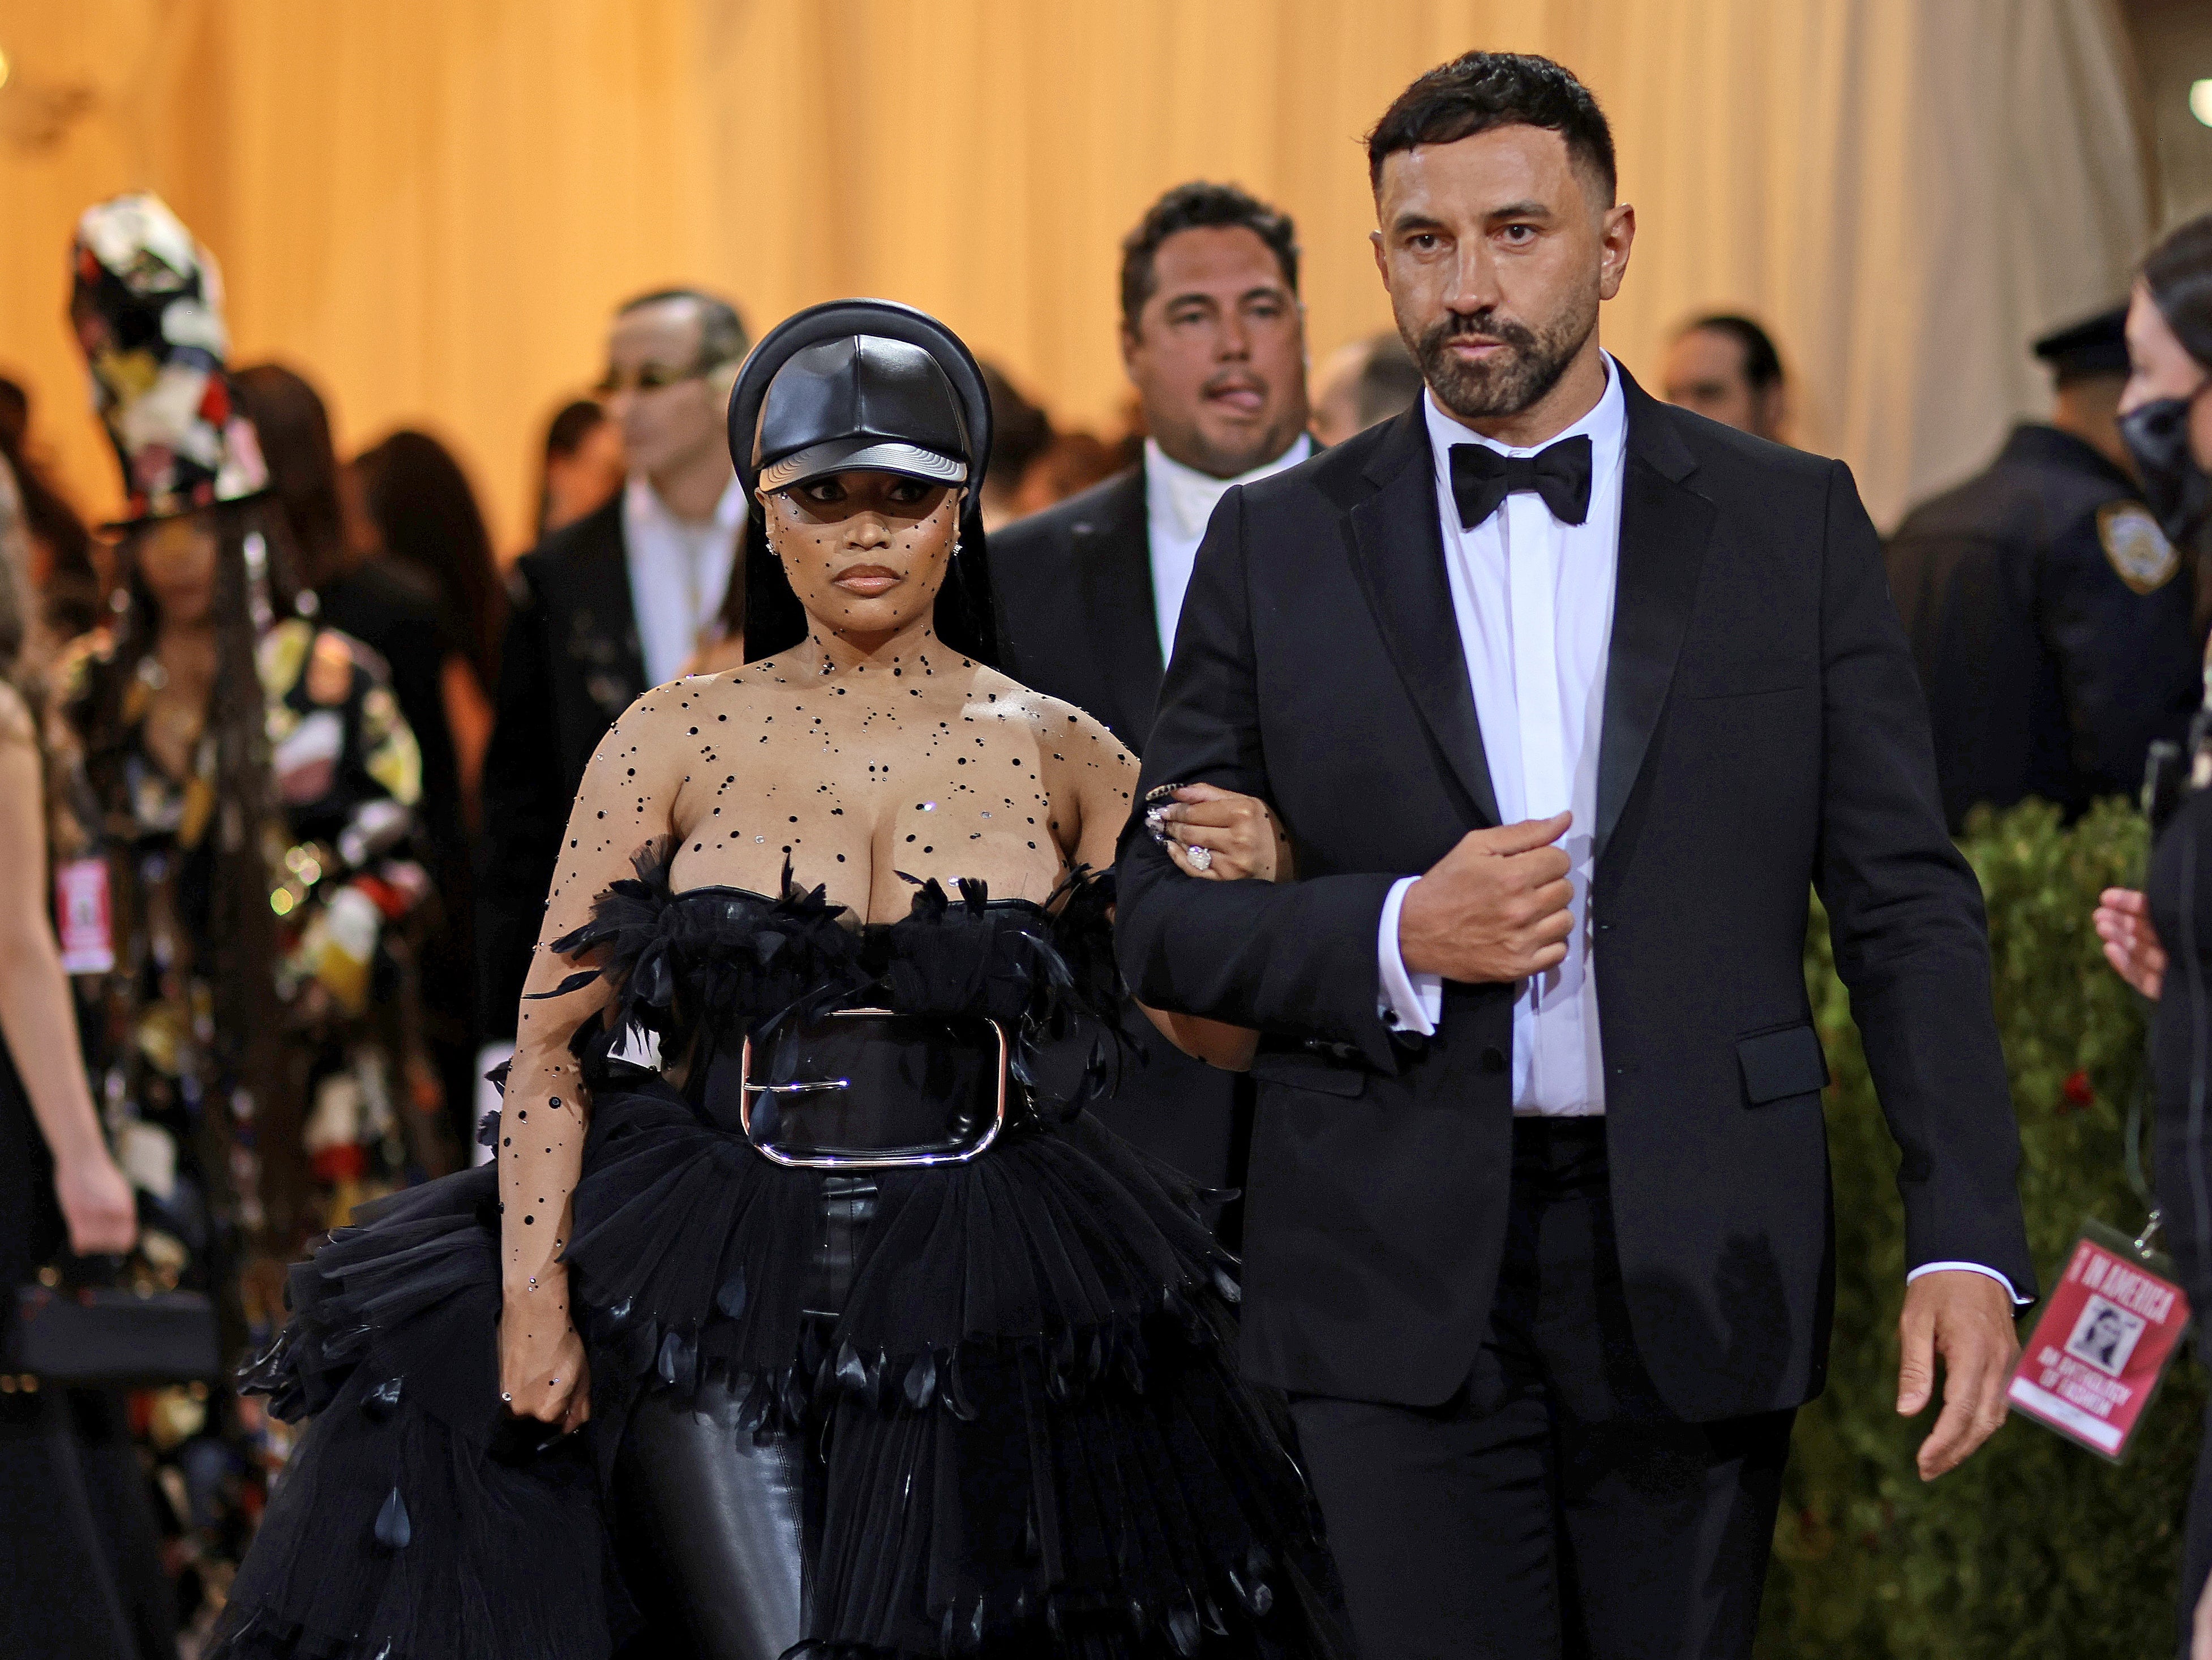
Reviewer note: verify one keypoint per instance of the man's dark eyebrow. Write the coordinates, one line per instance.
(1519, 210)
(1185, 298)
(1405, 223)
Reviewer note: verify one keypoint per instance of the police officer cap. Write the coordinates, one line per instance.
(860, 385)
(2095, 346)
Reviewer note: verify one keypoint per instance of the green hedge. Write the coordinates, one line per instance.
(2034, 1546)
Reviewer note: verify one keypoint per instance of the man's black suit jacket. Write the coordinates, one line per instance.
(570, 665)
(1762, 735)
(1073, 586)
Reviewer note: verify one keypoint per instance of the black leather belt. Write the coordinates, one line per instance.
(867, 1089)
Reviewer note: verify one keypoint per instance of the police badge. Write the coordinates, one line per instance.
(2136, 547)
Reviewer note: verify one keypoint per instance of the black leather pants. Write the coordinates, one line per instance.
(727, 1508)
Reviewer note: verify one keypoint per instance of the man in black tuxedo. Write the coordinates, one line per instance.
(1088, 591)
(1566, 699)
(606, 608)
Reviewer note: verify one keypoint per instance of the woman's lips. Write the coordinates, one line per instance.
(867, 581)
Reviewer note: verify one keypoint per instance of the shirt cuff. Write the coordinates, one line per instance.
(1407, 1001)
(1968, 1267)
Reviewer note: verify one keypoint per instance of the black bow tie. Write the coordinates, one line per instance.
(1481, 478)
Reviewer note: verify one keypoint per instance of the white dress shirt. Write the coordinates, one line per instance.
(679, 572)
(1534, 601)
(1178, 500)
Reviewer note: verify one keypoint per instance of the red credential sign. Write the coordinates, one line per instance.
(2101, 1346)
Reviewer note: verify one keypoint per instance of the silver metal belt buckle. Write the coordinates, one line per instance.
(810, 1156)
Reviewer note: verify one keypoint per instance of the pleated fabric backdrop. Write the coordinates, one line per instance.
(431, 205)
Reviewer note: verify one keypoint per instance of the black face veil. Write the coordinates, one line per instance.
(867, 404)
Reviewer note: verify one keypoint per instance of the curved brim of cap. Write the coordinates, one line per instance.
(862, 455)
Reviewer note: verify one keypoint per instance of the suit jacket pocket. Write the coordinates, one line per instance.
(1782, 1063)
(1302, 1069)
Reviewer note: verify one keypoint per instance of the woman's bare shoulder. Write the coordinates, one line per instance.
(1050, 717)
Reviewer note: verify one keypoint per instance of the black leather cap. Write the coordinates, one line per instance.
(860, 384)
(861, 402)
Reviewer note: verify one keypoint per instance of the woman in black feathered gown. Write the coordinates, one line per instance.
(802, 1312)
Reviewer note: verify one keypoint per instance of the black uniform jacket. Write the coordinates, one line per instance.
(1073, 585)
(1762, 735)
(570, 665)
(2049, 671)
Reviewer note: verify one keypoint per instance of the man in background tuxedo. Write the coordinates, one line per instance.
(1565, 698)
(1088, 591)
(606, 608)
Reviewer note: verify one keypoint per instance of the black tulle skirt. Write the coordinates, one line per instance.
(1024, 1432)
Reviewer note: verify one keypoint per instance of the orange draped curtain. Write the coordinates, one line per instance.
(430, 205)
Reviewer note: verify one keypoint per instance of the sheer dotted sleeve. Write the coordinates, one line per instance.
(627, 799)
(1104, 778)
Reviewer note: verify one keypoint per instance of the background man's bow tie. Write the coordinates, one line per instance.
(1481, 478)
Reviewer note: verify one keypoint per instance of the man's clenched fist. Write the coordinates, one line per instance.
(1494, 908)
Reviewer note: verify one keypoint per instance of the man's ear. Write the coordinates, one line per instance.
(1130, 342)
(1617, 236)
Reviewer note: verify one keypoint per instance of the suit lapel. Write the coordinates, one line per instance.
(1114, 568)
(1399, 559)
(603, 633)
(1664, 528)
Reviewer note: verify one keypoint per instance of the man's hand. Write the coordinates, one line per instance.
(1966, 1317)
(2123, 922)
(1494, 908)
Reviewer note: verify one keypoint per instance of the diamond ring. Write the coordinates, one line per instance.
(1201, 858)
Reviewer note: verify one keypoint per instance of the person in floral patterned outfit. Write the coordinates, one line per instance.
(238, 785)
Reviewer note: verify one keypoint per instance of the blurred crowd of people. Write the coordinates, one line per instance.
(287, 753)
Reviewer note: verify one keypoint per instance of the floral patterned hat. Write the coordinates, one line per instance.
(148, 311)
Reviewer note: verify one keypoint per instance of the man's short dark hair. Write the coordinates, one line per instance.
(722, 337)
(1762, 364)
(1200, 206)
(1487, 89)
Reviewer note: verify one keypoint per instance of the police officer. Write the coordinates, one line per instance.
(2052, 620)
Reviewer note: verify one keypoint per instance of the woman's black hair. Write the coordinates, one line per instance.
(2178, 273)
(73, 601)
(575, 420)
(245, 951)
(294, 425)
(426, 516)
(766, 609)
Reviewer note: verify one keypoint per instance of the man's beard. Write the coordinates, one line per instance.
(1506, 382)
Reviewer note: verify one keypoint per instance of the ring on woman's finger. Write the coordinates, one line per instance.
(1201, 858)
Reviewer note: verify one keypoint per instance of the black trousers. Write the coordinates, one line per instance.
(1554, 1506)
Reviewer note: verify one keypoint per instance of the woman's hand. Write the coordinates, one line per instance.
(97, 1204)
(542, 1370)
(1240, 835)
(2131, 942)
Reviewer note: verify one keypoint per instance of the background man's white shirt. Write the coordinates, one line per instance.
(679, 573)
(1178, 500)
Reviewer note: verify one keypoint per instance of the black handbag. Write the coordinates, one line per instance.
(66, 1334)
